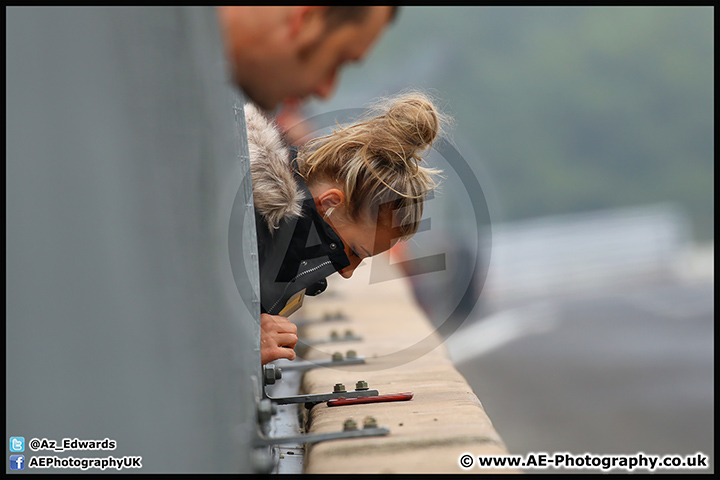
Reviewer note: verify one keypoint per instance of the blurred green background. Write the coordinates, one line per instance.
(563, 109)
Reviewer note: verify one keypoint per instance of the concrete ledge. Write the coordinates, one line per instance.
(428, 433)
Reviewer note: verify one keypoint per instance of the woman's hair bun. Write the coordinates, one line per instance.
(410, 121)
(377, 161)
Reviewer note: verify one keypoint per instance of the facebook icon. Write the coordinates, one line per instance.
(17, 462)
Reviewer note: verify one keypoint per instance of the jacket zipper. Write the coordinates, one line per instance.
(296, 277)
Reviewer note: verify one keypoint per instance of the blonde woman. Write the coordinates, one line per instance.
(337, 200)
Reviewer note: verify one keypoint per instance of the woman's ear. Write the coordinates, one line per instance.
(329, 200)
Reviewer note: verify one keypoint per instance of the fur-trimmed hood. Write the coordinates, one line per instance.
(276, 193)
(297, 249)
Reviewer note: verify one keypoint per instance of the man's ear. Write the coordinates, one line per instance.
(307, 25)
(329, 200)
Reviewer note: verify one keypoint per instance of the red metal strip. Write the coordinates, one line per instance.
(391, 397)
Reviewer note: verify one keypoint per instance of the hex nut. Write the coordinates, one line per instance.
(350, 424)
(337, 357)
(261, 461)
(271, 373)
(339, 388)
(265, 410)
(370, 422)
(351, 354)
(361, 385)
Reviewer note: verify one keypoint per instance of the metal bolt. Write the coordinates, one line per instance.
(337, 357)
(370, 422)
(339, 388)
(271, 373)
(361, 385)
(350, 424)
(265, 410)
(261, 461)
(351, 354)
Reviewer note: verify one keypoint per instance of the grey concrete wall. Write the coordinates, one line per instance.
(124, 162)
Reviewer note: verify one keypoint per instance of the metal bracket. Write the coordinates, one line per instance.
(322, 437)
(267, 408)
(272, 372)
(337, 360)
(328, 317)
(315, 398)
(334, 337)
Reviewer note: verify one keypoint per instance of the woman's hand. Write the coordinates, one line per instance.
(278, 337)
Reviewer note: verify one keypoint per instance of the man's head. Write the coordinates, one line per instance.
(281, 53)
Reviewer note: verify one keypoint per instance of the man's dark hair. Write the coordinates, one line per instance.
(338, 15)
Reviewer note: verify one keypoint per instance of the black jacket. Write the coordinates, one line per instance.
(297, 249)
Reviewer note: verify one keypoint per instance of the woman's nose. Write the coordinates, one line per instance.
(348, 271)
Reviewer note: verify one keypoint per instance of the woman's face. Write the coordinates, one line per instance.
(361, 239)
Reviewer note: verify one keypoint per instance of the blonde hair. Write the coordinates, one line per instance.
(376, 162)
